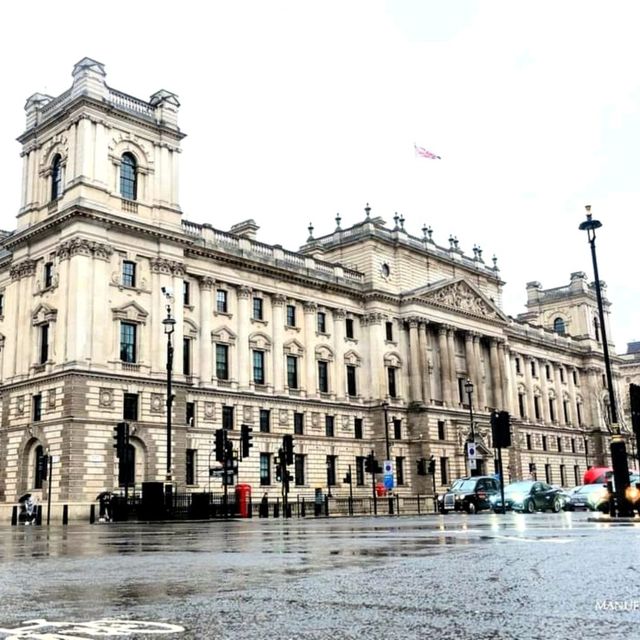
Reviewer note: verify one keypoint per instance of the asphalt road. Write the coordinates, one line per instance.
(458, 577)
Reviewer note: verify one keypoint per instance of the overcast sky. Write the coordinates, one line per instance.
(298, 110)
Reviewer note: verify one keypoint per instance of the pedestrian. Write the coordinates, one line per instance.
(264, 506)
(30, 510)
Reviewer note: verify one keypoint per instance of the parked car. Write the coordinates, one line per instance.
(592, 497)
(530, 496)
(470, 494)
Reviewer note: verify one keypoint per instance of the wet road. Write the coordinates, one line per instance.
(484, 576)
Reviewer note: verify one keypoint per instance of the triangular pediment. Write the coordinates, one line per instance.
(461, 296)
(131, 311)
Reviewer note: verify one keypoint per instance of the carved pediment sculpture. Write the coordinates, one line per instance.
(461, 297)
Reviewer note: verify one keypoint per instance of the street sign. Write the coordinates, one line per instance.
(471, 451)
(216, 472)
(388, 481)
(387, 467)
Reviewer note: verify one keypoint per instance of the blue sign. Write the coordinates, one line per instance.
(388, 481)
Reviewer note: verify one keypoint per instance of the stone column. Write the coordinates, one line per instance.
(470, 357)
(482, 390)
(277, 303)
(338, 345)
(414, 361)
(451, 345)
(591, 394)
(559, 396)
(424, 362)
(80, 270)
(206, 346)
(376, 374)
(573, 411)
(503, 358)
(496, 379)
(445, 365)
(310, 315)
(528, 380)
(544, 389)
(244, 313)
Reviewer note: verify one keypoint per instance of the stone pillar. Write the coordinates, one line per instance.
(375, 365)
(529, 395)
(424, 362)
(503, 358)
(544, 389)
(451, 346)
(277, 303)
(559, 395)
(591, 394)
(496, 379)
(573, 412)
(470, 357)
(338, 346)
(244, 313)
(482, 390)
(445, 365)
(310, 315)
(206, 346)
(414, 361)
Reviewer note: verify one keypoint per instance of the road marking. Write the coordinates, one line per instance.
(522, 539)
(41, 628)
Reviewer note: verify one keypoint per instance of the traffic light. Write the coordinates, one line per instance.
(121, 436)
(370, 463)
(220, 445)
(501, 429)
(634, 396)
(278, 467)
(288, 478)
(246, 438)
(432, 465)
(422, 466)
(347, 478)
(287, 446)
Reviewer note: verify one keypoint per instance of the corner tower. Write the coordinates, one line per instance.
(98, 148)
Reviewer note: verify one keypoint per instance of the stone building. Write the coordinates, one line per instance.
(366, 330)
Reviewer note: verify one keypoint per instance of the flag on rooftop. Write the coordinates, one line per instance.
(424, 153)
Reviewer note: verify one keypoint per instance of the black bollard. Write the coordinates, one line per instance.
(14, 516)
(39, 515)
(65, 514)
(92, 514)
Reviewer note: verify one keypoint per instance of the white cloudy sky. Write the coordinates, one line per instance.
(296, 110)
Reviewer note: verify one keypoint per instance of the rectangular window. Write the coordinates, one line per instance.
(576, 475)
(574, 373)
(533, 368)
(258, 367)
(547, 473)
(552, 409)
(357, 427)
(391, 377)
(322, 322)
(563, 475)
(44, 343)
(190, 414)
(533, 471)
(323, 376)
(397, 429)
(547, 371)
(565, 410)
(130, 406)
(265, 469)
(559, 440)
(518, 366)
(298, 423)
(222, 303)
(265, 421)
(329, 426)
(331, 471)
(186, 293)
(400, 471)
(222, 362)
(561, 369)
(441, 432)
(227, 418)
(191, 466)
(128, 337)
(291, 315)
(461, 392)
(37, 407)
(186, 356)
(359, 471)
(258, 309)
(536, 406)
(349, 328)
(298, 465)
(579, 413)
(388, 328)
(48, 274)
(529, 441)
(573, 445)
(128, 273)
(292, 372)
(521, 404)
(351, 381)
(586, 447)
(544, 443)
(444, 471)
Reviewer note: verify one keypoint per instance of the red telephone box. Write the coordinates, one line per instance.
(243, 499)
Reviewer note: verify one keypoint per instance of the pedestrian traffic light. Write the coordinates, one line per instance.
(422, 466)
(287, 446)
(246, 438)
(432, 465)
(288, 478)
(121, 436)
(220, 445)
(278, 464)
(501, 429)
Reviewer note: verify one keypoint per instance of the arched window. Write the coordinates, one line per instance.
(128, 177)
(596, 328)
(37, 471)
(558, 326)
(56, 178)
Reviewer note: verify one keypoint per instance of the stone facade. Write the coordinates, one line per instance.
(310, 342)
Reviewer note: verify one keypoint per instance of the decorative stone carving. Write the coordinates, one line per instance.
(372, 318)
(247, 413)
(23, 269)
(106, 398)
(157, 403)
(206, 283)
(244, 292)
(162, 265)
(20, 405)
(278, 300)
(310, 307)
(283, 416)
(339, 314)
(209, 410)
(461, 297)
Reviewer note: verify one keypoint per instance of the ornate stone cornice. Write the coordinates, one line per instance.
(244, 292)
(83, 247)
(162, 265)
(207, 283)
(340, 314)
(278, 300)
(23, 269)
(461, 297)
(372, 318)
(310, 307)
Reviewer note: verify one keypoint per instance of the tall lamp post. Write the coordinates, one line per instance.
(618, 448)
(169, 327)
(385, 407)
(468, 387)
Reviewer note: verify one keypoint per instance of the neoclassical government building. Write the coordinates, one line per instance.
(362, 340)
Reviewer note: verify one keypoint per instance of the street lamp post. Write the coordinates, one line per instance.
(468, 387)
(618, 449)
(385, 407)
(169, 327)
